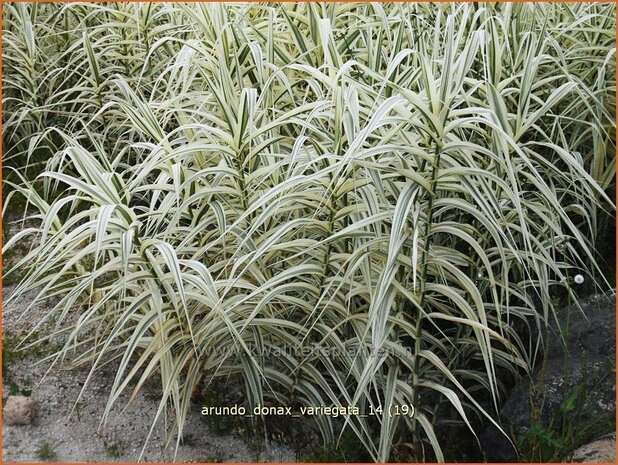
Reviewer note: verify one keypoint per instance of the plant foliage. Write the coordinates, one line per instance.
(403, 186)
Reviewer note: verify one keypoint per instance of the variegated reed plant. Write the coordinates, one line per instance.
(405, 185)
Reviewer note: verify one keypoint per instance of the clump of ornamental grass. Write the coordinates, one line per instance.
(402, 186)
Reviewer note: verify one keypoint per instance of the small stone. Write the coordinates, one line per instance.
(19, 410)
(601, 450)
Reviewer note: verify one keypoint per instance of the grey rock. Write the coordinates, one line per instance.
(19, 410)
(583, 362)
